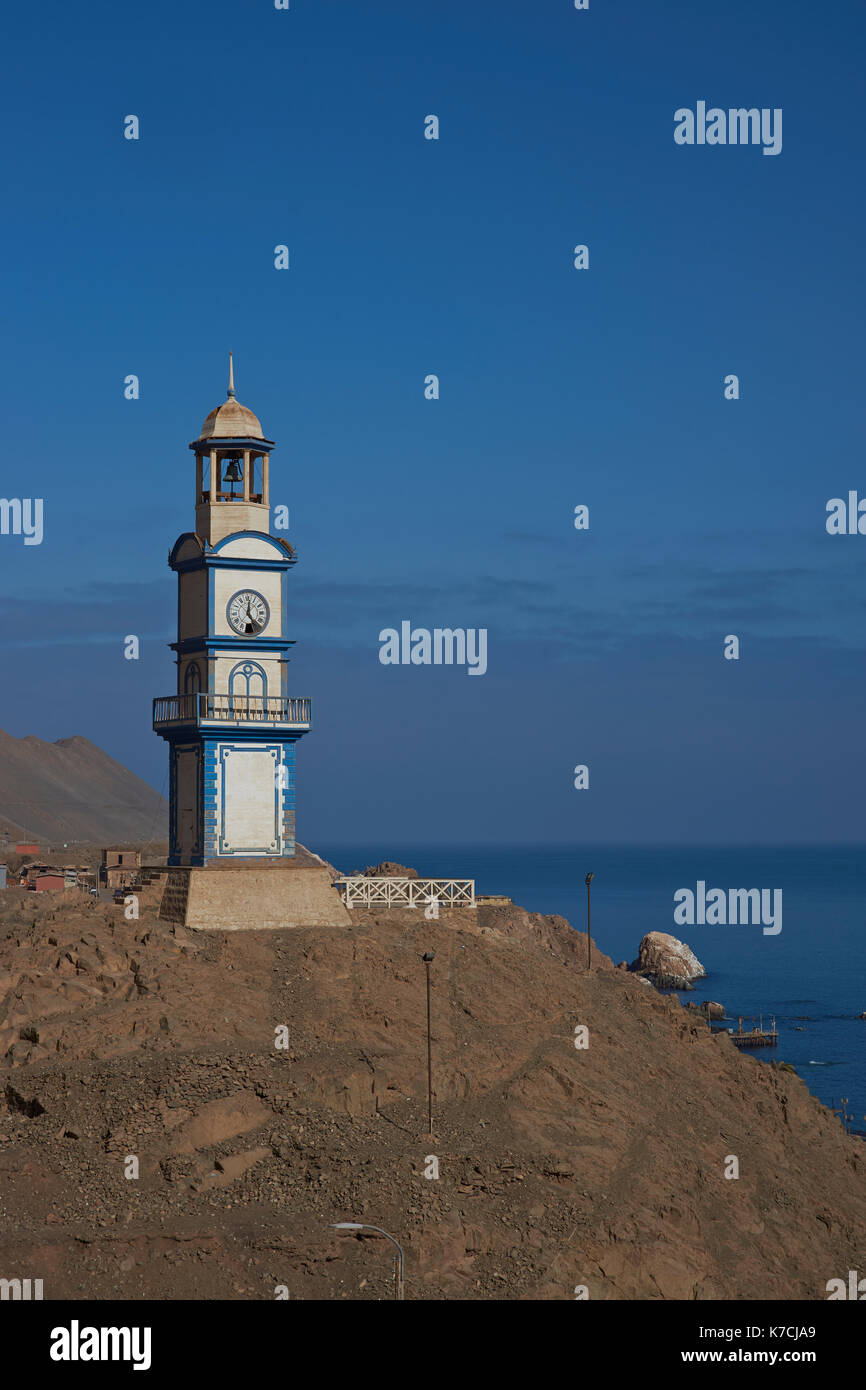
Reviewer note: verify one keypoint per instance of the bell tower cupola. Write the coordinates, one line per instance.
(232, 459)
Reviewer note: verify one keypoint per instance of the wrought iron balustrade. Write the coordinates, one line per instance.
(200, 707)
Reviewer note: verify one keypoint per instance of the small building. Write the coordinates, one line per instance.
(26, 849)
(120, 868)
(48, 883)
(28, 872)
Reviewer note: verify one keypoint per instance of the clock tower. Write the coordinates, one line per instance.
(232, 726)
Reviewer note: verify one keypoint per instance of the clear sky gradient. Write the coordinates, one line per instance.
(558, 387)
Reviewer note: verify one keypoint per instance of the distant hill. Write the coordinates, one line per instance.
(72, 790)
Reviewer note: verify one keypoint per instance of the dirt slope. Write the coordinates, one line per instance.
(558, 1167)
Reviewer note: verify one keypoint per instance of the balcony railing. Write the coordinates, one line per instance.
(203, 708)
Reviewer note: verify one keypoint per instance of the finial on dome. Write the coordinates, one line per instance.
(231, 390)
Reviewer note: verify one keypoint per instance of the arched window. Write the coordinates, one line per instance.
(192, 679)
(248, 680)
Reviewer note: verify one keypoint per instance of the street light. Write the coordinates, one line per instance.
(399, 1263)
(427, 958)
(588, 881)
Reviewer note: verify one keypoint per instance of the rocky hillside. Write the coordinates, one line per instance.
(71, 790)
(558, 1166)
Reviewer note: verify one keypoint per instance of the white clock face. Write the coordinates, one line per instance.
(248, 613)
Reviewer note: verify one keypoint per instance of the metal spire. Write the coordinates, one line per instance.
(231, 390)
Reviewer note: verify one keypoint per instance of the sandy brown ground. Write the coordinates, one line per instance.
(601, 1167)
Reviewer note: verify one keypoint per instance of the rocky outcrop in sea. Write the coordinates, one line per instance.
(667, 962)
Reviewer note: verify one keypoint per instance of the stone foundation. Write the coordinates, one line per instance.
(254, 898)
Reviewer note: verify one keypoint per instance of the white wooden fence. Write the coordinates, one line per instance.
(360, 891)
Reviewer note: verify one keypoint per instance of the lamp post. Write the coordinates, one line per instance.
(588, 881)
(399, 1263)
(427, 958)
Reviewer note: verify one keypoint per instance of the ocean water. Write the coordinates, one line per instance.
(810, 977)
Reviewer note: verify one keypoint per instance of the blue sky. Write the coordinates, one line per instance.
(558, 387)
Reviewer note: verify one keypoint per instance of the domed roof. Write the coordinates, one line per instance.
(231, 420)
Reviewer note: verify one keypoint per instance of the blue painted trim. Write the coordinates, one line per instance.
(207, 554)
(234, 562)
(183, 733)
(264, 851)
(278, 548)
(233, 643)
(204, 446)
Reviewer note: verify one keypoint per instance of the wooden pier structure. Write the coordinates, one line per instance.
(754, 1037)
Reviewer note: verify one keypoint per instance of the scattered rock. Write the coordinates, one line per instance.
(19, 1105)
(388, 869)
(709, 1008)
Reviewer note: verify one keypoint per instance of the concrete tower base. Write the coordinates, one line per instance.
(252, 897)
